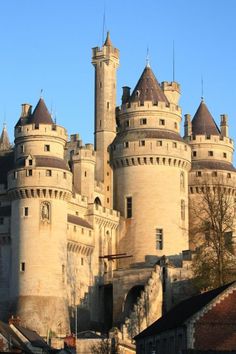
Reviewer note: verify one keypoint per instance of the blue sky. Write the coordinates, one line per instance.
(46, 44)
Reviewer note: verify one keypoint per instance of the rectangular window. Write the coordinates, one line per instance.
(64, 174)
(1, 220)
(22, 266)
(174, 144)
(127, 123)
(194, 153)
(225, 155)
(159, 239)
(210, 153)
(126, 144)
(142, 143)
(198, 173)
(29, 173)
(228, 175)
(214, 174)
(26, 211)
(161, 121)
(15, 175)
(159, 143)
(143, 121)
(48, 173)
(46, 147)
(30, 162)
(129, 207)
(22, 148)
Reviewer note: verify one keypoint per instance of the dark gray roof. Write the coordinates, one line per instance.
(181, 312)
(74, 219)
(40, 114)
(5, 210)
(4, 140)
(133, 135)
(89, 335)
(33, 337)
(12, 338)
(203, 123)
(212, 165)
(6, 164)
(148, 89)
(44, 161)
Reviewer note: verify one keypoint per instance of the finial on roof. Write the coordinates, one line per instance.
(147, 59)
(202, 96)
(41, 93)
(108, 40)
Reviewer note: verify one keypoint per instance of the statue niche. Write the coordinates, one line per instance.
(45, 212)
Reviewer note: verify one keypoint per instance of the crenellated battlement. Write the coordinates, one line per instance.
(47, 130)
(41, 177)
(126, 108)
(104, 53)
(85, 153)
(211, 139)
(99, 210)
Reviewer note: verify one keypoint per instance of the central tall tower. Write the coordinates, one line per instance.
(106, 62)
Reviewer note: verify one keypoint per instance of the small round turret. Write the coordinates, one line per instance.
(212, 155)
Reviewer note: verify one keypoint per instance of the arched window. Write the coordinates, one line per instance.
(97, 201)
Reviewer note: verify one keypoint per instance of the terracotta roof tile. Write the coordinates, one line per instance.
(203, 123)
(148, 89)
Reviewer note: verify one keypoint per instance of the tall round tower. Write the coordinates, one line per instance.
(39, 187)
(151, 163)
(212, 156)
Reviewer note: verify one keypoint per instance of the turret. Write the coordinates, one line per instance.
(187, 125)
(39, 186)
(148, 155)
(4, 140)
(106, 62)
(212, 155)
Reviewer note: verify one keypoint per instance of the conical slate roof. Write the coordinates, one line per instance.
(148, 89)
(203, 123)
(108, 40)
(40, 114)
(4, 140)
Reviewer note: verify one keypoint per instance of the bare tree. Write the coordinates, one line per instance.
(211, 228)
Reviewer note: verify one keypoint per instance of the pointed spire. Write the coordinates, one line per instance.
(148, 89)
(40, 114)
(4, 139)
(148, 59)
(203, 123)
(108, 42)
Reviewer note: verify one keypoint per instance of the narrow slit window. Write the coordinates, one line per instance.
(129, 207)
(159, 239)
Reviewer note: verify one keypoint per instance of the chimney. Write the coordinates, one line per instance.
(25, 110)
(224, 129)
(126, 94)
(187, 125)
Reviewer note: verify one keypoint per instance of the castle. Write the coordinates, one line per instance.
(86, 227)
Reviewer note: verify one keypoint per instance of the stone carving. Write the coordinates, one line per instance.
(45, 212)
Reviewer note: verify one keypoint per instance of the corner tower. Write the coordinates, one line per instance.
(212, 156)
(106, 62)
(151, 164)
(39, 187)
